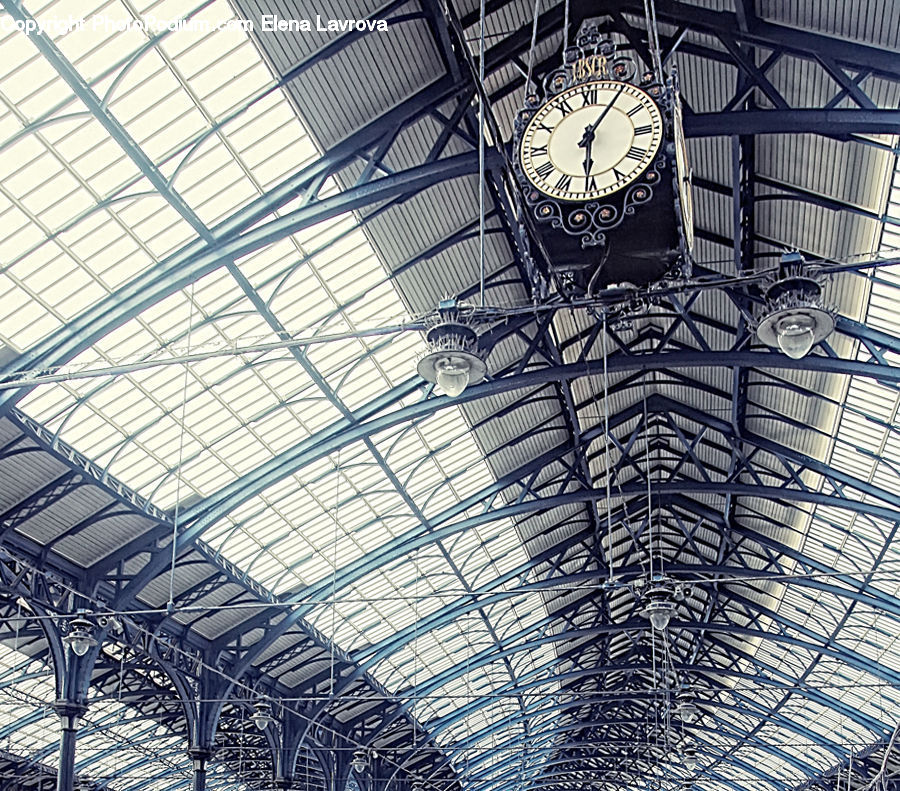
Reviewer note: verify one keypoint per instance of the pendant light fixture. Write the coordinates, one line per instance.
(453, 360)
(795, 317)
(360, 761)
(660, 601)
(262, 716)
(689, 755)
(685, 706)
(80, 636)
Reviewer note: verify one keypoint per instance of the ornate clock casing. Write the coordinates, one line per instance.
(600, 163)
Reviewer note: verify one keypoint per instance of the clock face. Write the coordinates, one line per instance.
(591, 140)
(684, 180)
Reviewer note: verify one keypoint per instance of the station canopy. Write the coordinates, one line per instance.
(219, 244)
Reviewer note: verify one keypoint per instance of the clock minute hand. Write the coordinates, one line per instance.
(589, 130)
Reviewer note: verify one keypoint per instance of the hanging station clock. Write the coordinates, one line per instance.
(595, 160)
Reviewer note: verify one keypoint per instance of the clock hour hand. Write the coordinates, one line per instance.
(585, 143)
(587, 139)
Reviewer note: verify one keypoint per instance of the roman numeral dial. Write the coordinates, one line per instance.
(591, 140)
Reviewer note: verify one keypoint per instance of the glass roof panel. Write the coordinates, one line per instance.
(202, 110)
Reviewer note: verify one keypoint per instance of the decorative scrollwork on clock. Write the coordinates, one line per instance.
(590, 220)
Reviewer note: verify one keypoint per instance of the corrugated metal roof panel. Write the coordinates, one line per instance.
(865, 21)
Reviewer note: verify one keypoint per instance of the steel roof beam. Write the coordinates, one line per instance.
(669, 406)
(835, 631)
(885, 601)
(852, 713)
(793, 121)
(832, 55)
(511, 763)
(606, 717)
(818, 697)
(719, 575)
(215, 507)
(783, 494)
(793, 192)
(330, 394)
(487, 657)
(44, 497)
(563, 450)
(509, 780)
(769, 677)
(488, 492)
(512, 646)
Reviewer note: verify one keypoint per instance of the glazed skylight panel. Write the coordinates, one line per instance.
(86, 133)
(218, 438)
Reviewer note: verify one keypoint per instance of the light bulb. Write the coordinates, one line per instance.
(795, 335)
(689, 757)
(659, 619)
(261, 721)
(262, 715)
(452, 375)
(688, 712)
(359, 762)
(81, 644)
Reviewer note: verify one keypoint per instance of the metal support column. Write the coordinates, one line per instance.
(69, 715)
(200, 757)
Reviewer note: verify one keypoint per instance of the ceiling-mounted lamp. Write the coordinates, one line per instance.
(685, 706)
(689, 756)
(660, 601)
(262, 714)
(453, 360)
(360, 761)
(795, 317)
(80, 636)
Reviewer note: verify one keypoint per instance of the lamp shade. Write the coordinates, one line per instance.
(794, 319)
(453, 360)
(262, 715)
(80, 637)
